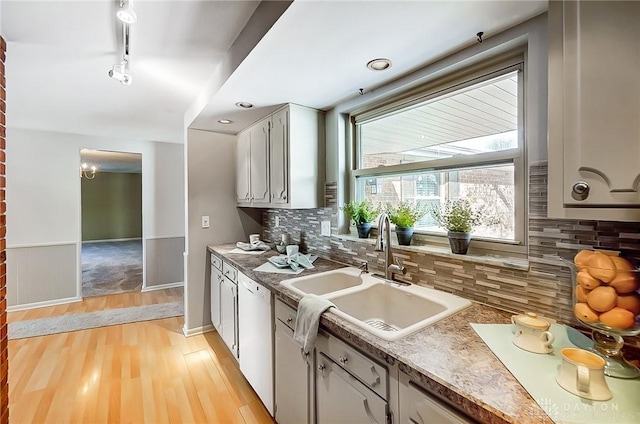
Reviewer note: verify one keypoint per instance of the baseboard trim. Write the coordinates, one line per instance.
(43, 304)
(162, 237)
(162, 286)
(188, 332)
(111, 240)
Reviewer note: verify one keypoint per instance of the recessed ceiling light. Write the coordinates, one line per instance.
(244, 105)
(225, 121)
(379, 64)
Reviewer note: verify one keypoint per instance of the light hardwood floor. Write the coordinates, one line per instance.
(145, 372)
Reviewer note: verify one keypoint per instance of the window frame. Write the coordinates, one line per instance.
(455, 81)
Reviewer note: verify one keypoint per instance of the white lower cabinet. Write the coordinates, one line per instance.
(229, 309)
(293, 372)
(417, 406)
(342, 398)
(350, 387)
(216, 282)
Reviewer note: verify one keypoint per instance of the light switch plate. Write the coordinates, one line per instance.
(205, 221)
(325, 228)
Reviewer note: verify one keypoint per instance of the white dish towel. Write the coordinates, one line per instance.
(308, 319)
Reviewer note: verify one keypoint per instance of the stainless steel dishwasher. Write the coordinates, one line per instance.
(350, 388)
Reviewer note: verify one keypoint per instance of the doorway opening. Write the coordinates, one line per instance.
(111, 215)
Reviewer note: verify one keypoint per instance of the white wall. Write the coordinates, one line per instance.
(210, 159)
(43, 189)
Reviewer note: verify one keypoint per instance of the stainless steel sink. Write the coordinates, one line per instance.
(381, 307)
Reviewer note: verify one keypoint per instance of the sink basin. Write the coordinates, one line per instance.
(381, 307)
(391, 311)
(325, 282)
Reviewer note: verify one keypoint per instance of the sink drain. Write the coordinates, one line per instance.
(380, 325)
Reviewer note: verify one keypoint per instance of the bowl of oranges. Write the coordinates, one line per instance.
(605, 292)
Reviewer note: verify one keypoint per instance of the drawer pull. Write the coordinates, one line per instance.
(322, 367)
(289, 320)
(343, 360)
(376, 379)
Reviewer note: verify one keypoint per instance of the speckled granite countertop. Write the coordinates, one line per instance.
(447, 358)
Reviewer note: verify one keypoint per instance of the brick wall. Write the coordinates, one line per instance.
(4, 357)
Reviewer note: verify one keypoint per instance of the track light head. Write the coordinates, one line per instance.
(126, 14)
(119, 72)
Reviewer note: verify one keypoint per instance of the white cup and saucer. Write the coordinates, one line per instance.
(532, 333)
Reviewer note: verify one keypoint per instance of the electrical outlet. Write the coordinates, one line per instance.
(325, 228)
(205, 221)
(277, 221)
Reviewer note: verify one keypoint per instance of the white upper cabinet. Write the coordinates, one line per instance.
(594, 109)
(243, 168)
(259, 175)
(279, 157)
(284, 162)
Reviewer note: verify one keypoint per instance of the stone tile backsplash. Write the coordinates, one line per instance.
(545, 288)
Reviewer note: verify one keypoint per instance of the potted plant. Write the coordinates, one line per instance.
(404, 215)
(458, 218)
(362, 213)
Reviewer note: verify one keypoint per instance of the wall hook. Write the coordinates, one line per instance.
(479, 35)
(361, 91)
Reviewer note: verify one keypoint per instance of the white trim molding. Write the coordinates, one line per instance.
(188, 332)
(43, 304)
(162, 286)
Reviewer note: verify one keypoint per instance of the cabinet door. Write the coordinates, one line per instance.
(292, 379)
(601, 69)
(279, 158)
(216, 279)
(341, 398)
(259, 181)
(228, 314)
(419, 407)
(243, 167)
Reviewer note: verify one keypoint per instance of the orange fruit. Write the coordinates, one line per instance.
(585, 313)
(602, 298)
(618, 318)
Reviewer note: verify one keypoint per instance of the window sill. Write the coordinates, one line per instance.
(443, 251)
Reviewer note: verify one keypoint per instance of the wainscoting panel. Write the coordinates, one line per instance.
(165, 262)
(41, 274)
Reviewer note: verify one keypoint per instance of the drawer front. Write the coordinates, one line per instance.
(369, 372)
(286, 314)
(230, 272)
(216, 262)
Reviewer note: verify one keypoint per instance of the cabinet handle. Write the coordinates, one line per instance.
(284, 197)
(580, 191)
(343, 360)
(289, 320)
(376, 379)
(322, 367)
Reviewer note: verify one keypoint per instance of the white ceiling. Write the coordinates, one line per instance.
(59, 53)
(315, 54)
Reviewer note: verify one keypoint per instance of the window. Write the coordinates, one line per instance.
(455, 141)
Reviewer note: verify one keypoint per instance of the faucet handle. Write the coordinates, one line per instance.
(364, 267)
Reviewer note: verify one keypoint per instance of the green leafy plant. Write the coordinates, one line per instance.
(361, 212)
(405, 214)
(457, 216)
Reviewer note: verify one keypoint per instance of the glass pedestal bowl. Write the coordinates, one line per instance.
(608, 341)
